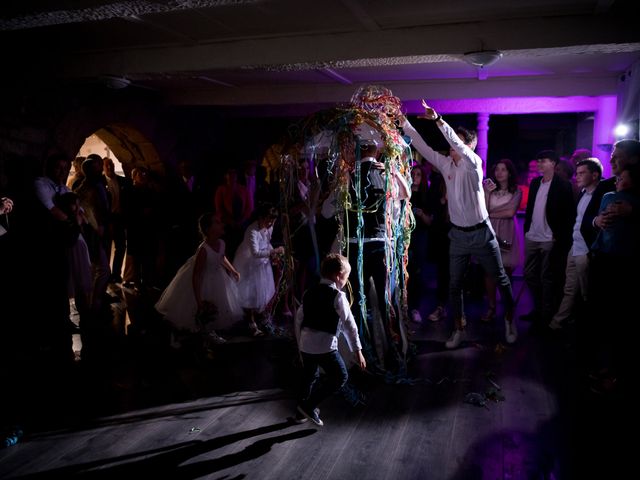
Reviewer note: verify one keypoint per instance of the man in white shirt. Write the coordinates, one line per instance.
(471, 233)
(588, 174)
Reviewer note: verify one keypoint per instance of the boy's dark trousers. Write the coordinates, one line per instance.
(313, 390)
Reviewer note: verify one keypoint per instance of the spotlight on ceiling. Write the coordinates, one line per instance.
(621, 130)
(482, 58)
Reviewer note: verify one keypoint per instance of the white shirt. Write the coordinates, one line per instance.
(579, 245)
(464, 181)
(539, 231)
(315, 341)
(46, 190)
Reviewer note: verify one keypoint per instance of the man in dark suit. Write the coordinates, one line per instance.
(548, 224)
(588, 174)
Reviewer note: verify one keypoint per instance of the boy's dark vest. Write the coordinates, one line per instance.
(319, 310)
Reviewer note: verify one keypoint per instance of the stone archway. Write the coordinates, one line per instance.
(131, 147)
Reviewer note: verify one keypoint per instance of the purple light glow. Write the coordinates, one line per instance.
(603, 108)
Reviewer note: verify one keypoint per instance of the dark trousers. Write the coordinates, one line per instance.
(313, 389)
(483, 246)
(373, 266)
(119, 237)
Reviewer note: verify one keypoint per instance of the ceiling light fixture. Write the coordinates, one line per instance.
(482, 58)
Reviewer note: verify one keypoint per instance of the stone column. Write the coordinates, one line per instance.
(483, 145)
(603, 121)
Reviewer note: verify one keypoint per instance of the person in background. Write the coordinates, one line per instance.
(613, 286)
(625, 152)
(578, 155)
(438, 251)
(76, 178)
(549, 219)
(233, 206)
(203, 295)
(527, 178)
(253, 261)
(96, 203)
(143, 220)
(80, 281)
(419, 239)
(566, 170)
(117, 187)
(48, 319)
(503, 198)
(588, 174)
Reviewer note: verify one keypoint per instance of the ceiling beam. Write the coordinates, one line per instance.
(328, 50)
(433, 89)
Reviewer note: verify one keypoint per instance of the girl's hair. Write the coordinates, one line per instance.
(512, 184)
(204, 223)
(332, 264)
(266, 212)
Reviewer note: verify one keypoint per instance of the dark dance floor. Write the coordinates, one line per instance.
(146, 410)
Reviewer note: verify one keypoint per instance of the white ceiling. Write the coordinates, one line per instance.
(288, 52)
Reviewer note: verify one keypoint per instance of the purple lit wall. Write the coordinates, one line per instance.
(603, 108)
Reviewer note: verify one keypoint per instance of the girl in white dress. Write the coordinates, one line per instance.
(253, 261)
(203, 295)
(503, 198)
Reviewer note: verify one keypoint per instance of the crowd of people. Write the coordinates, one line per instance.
(580, 251)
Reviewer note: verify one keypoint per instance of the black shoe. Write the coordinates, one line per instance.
(313, 416)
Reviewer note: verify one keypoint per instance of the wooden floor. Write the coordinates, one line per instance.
(163, 415)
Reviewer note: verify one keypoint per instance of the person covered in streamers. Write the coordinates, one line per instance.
(471, 232)
(362, 165)
(367, 222)
(203, 296)
(323, 316)
(253, 261)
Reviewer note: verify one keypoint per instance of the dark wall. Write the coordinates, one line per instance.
(517, 137)
(520, 137)
(214, 138)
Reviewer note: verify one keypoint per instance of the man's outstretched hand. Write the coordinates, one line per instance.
(429, 113)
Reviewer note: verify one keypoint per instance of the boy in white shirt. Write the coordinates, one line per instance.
(324, 314)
